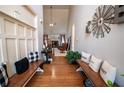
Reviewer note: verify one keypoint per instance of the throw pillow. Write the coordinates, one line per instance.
(95, 63)
(85, 57)
(3, 77)
(33, 56)
(22, 65)
(107, 72)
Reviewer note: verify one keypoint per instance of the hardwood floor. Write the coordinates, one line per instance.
(57, 74)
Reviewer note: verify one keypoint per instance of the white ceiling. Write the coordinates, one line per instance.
(56, 6)
(60, 17)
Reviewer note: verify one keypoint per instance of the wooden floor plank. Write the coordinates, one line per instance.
(57, 74)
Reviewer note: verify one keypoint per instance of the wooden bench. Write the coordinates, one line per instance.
(93, 76)
(20, 80)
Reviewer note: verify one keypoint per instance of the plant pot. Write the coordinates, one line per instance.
(73, 62)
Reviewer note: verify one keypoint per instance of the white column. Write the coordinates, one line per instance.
(73, 37)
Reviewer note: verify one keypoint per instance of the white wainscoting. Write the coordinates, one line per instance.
(17, 39)
(1, 56)
(11, 55)
(9, 27)
(22, 49)
(21, 31)
(1, 53)
(29, 46)
(0, 25)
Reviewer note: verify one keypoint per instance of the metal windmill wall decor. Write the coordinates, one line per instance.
(102, 19)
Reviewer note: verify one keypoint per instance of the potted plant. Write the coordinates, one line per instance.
(72, 56)
(122, 74)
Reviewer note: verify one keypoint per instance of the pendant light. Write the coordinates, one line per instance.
(51, 24)
(51, 17)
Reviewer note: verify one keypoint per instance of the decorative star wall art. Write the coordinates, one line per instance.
(102, 19)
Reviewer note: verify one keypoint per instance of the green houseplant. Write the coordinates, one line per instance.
(72, 56)
(122, 74)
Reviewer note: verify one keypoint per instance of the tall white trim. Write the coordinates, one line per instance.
(73, 37)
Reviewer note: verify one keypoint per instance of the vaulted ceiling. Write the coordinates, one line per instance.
(60, 17)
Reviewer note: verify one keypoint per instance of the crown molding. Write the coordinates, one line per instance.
(29, 8)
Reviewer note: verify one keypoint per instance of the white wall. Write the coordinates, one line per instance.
(39, 11)
(27, 17)
(60, 17)
(19, 12)
(17, 39)
(110, 48)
